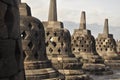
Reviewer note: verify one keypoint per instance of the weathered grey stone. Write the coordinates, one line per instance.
(11, 58)
(58, 43)
(83, 21)
(53, 11)
(106, 28)
(8, 21)
(83, 46)
(118, 46)
(8, 63)
(59, 52)
(37, 66)
(11, 2)
(25, 10)
(106, 47)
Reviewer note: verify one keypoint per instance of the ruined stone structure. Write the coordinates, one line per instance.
(106, 47)
(11, 58)
(58, 43)
(37, 65)
(83, 46)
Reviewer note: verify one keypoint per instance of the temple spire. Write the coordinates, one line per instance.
(83, 20)
(52, 11)
(106, 29)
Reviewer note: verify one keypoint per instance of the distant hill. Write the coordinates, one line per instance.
(95, 29)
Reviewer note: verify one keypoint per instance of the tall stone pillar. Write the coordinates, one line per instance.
(52, 11)
(106, 28)
(37, 66)
(106, 47)
(58, 43)
(11, 57)
(83, 21)
(83, 46)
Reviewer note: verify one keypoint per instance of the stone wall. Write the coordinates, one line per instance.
(11, 57)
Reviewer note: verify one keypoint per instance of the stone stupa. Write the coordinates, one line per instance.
(83, 46)
(11, 56)
(58, 43)
(37, 66)
(106, 47)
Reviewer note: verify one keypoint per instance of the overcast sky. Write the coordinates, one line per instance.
(69, 10)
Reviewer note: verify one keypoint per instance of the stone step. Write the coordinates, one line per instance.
(41, 74)
(74, 75)
(57, 78)
(71, 72)
(97, 69)
(78, 77)
(37, 64)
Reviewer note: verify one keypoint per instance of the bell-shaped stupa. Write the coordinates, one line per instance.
(58, 43)
(106, 47)
(37, 65)
(83, 47)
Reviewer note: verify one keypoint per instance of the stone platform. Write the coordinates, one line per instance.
(114, 64)
(70, 67)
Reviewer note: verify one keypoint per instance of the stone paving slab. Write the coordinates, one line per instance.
(115, 76)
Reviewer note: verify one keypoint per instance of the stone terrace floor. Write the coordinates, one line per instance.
(115, 76)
